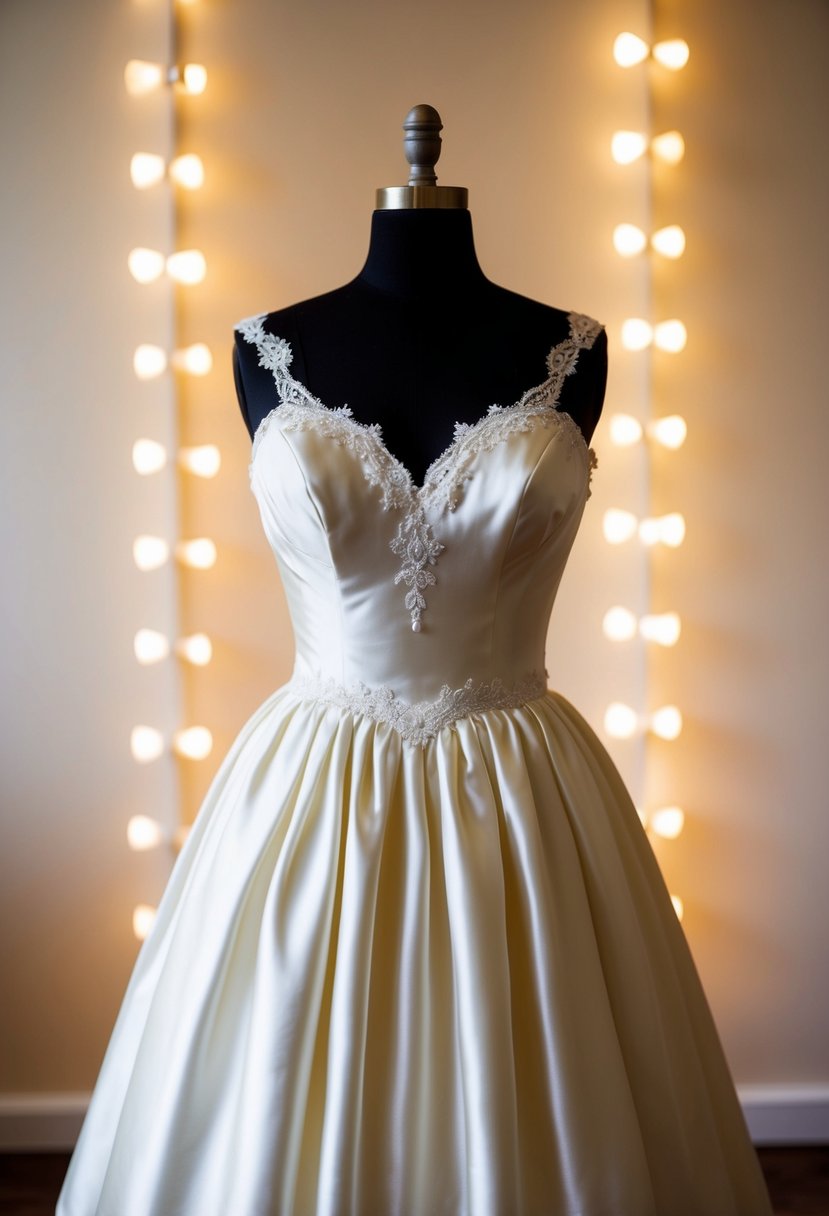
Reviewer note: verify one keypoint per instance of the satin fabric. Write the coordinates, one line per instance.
(397, 979)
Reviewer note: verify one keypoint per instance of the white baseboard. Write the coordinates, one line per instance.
(776, 1114)
(786, 1114)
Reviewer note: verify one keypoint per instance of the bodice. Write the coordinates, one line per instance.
(419, 604)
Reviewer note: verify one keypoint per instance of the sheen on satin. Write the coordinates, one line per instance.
(398, 979)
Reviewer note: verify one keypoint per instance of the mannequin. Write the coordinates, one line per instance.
(421, 339)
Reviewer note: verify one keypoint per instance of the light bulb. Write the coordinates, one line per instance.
(637, 333)
(620, 721)
(672, 53)
(670, 336)
(203, 461)
(143, 916)
(199, 554)
(195, 359)
(665, 529)
(619, 624)
(660, 627)
(678, 906)
(627, 146)
(187, 171)
(668, 821)
(629, 49)
(144, 833)
(193, 742)
(196, 649)
(191, 78)
(145, 265)
(150, 646)
(187, 266)
(625, 430)
(670, 430)
(146, 169)
(628, 240)
(618, 525)
(148, 456)
(150, 552)
(149, 361)
(141, 76)
(668, 147)
(146, 744)
(669, 241)
(666, 722)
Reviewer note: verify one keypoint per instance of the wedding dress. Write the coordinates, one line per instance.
(416, 956)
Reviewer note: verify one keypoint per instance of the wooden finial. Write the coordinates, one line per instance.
(422, 145)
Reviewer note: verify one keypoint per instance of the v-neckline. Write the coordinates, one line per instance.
(276, 353)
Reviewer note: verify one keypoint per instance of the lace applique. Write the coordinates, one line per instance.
(420, 721)
(415, 541)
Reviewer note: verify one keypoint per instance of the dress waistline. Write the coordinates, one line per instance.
(420, 721)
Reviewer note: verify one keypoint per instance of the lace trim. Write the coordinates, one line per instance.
(415, 541)
(420, 721)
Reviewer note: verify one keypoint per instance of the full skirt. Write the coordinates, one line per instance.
(397, 980)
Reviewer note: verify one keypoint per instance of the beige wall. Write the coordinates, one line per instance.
(300, 123)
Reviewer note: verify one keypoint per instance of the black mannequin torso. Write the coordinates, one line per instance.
(419, 340)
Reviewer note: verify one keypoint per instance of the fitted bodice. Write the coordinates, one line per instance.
(433, 595)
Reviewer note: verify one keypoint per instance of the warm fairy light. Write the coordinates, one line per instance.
(621, 721)
(199, 554)
(144, 833)
(146, 169)
(660, 627)
(629, 49)
(143, 916)
(673, 53)
(196, 649)
(193, 742)
(618, 525)
(668, 821)
(619, 624)
(148, 456)
(627, 146)
(670, 336)
(637, 333)
(670, 430)
(146, 265)
(187, 266)
(196, 359)
(663, 529)
(146, 743)
(628, 240)
(666, 722)
(669, 241)
(141, 76)
(668, 147)
(625, 430)
(678, 906)
(149, 361)
(187, 171)
(202, 461)
(150, 646)
(150, 552)
(191, 78)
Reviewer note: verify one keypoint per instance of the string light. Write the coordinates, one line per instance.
(630, 49)
(628, 146)
(193, 742)
(669, 431)
(143, 76)
(621, 721)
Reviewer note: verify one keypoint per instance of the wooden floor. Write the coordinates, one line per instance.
(798, 1180)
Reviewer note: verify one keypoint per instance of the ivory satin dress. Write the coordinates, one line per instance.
(416, 956)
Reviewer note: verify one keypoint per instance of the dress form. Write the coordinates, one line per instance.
(420, 338)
